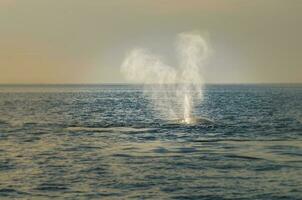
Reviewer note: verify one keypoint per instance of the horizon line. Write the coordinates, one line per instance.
(83, 84)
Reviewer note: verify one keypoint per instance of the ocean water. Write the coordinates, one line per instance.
(105, 142)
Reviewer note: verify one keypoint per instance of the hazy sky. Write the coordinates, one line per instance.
(85, 41)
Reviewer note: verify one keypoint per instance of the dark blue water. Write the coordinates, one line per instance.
(104, 142)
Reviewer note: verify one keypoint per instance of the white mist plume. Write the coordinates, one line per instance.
(173, 90)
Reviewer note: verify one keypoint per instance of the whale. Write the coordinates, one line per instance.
(194, 121)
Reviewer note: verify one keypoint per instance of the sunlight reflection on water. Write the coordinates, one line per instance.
(96, 143)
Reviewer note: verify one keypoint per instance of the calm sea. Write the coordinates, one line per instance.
(104, 142)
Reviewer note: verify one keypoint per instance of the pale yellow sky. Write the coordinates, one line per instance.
(85, 41)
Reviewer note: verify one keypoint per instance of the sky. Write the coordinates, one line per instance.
(85, 41)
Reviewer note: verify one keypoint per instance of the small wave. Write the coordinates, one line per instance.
(109, 129)
(10, 191)
(243, 157)
(51, 187)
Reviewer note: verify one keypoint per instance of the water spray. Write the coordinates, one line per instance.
(173, 91)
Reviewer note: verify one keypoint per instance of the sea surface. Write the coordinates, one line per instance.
(105, 142)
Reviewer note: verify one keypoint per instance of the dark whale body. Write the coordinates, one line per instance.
(194, 121)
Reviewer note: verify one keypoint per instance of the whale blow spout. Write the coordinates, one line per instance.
(173, 91)
(187, 109)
